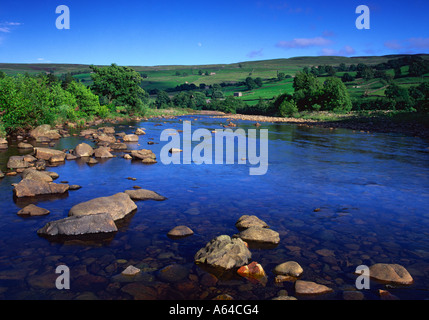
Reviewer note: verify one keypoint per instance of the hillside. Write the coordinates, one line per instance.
(232, 76)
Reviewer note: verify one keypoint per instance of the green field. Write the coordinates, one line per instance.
(164, 77)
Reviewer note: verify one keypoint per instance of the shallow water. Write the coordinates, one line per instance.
(372, 191)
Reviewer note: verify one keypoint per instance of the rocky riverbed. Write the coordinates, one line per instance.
(195, 241)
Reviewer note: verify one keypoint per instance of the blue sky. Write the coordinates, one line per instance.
(188, 32)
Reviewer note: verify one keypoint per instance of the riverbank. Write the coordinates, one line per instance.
(410, 124)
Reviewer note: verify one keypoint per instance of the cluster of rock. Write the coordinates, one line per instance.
(98, 215)
(232, 253)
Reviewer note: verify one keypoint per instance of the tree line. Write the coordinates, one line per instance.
(30, 100)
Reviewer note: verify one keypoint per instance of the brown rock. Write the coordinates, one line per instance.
(31, 188)
(310, 288)
(131, 138)
(143, 194)
(118, 205)
(247, 221)
(102, 152)
(390, 273)
(51, 155)
(32, 210)
(83, 150)
(180, 231)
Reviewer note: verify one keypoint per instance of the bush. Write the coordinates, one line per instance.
(87, 102)
(288, 108)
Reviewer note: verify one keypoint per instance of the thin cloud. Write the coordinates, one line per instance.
(5, 27)
(419, 43)
(408, 44)
(255, 53)
(345, 52)
(393, 44)
(301, 43)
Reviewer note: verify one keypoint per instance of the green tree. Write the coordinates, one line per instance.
(288, 108)
(120, 86)
(347, 77)
(307, 90)
(281, 76)
(258, 81)
(87, 102)
(336, 98)
(250, 83)
(162, 100)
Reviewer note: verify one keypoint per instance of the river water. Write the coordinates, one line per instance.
(371, 192)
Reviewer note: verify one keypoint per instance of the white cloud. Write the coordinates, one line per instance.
(5, 26)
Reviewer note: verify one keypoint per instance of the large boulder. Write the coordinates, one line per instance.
(143, 154)
(3, 144)
(390, 273)
(104, 138)
(17, 162)
(36, 175)
(32, 188)
(143, 194)
(118, 205)
(51, 155)
(103, 152)
(80, 225)
(131, 138)
(224, 252)
(83, 150)
(45, 131)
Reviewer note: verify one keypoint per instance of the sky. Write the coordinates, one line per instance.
(188, 32)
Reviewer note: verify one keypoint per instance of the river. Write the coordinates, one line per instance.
(338, 199)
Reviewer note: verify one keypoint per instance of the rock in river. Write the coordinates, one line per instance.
(180, 232)
(143, 154)
(289, 268)
(390, 273)
(80, 225)
(224, 252)
(31, 188)
(247, 221)
(51, 155)
(310, 288)
(143, 194)
(131, 138)
(118, 205)
(45, 131)
(260, 235)
(17, 162)
(32, 210)
(103, 152)
(36, 175)
(83, 150)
